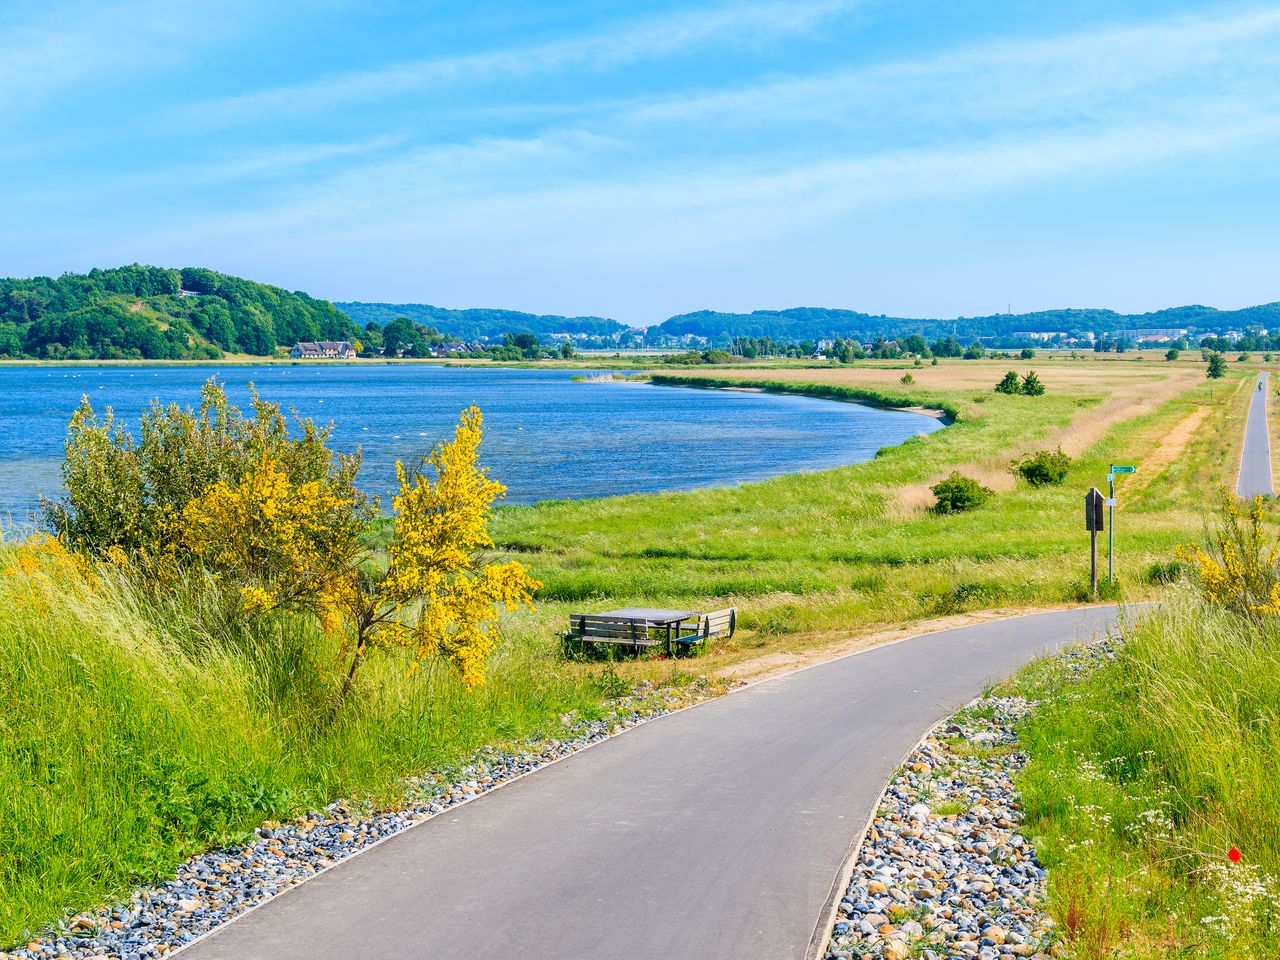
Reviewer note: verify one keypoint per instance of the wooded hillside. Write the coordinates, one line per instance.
(155, 313)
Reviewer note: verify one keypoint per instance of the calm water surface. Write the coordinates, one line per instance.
(548, 437)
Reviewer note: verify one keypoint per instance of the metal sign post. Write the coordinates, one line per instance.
(1093, 522)
(1111, 517)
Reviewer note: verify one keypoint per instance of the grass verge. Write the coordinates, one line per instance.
(1145, 773)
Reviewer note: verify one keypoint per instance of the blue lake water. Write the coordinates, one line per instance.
(547, 437)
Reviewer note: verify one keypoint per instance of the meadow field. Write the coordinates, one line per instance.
(812, 560)
(134, 734)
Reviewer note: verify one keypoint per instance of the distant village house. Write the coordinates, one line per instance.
(324, 350)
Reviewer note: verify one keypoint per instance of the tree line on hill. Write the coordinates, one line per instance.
(481, 324)
(156, 313)
(799, 324)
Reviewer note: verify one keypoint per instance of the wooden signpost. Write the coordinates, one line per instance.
(1093, 522)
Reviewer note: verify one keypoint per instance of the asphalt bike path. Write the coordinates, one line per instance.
(716, 832)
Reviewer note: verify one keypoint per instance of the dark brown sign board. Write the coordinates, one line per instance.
(1094, 510)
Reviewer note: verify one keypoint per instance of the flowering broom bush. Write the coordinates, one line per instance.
(125, 499)
(429, 593)
(1238, 569)
(276, 523)
(435, 597)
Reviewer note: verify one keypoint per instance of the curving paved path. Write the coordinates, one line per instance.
(717, 832)
(1255, 461)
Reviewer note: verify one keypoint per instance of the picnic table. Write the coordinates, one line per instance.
(634, 625)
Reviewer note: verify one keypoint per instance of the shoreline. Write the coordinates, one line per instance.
(944, 411)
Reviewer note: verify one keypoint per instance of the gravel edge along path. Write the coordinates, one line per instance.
(944, 871)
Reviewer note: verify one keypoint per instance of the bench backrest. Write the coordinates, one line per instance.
(721, 621)
(609, 630)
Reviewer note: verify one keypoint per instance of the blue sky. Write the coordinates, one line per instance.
(642, 159)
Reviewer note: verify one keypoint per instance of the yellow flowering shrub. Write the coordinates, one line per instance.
(43, 556)
(44, 567)
(285, 543)
(436, 596)
(126, 499)
(1238, 569)
(274, 520)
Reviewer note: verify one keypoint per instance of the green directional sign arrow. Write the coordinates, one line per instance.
(1111, 510)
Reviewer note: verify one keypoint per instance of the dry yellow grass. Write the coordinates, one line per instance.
(1112, 391)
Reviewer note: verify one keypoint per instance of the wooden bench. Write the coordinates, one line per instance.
(594, 628)
(720, 623)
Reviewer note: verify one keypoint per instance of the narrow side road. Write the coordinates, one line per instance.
(717, 833)
(1255, 461)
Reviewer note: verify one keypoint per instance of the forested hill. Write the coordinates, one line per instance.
(476, 323)
(155, 313)
(813, 323)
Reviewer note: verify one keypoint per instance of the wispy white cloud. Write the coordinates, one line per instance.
(49, 51)
(681, 180)
(1144, 66)
(754, 23)
(1125, 93)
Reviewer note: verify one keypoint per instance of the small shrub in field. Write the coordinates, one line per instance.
(1217, 366)
(1172, 353)
(1043, 467)
(1009, 383)
(1165, 571)
(1031, 385)
(1027, 354)
(933, 362)
(958, 493)
(906, 379)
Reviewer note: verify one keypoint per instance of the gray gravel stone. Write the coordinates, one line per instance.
(943, 870)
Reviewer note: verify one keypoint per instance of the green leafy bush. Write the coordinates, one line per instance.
(1165, 571)
(958, 493)
(1031, 385)
(1043, 467)
(126, 497)
(1009, 383)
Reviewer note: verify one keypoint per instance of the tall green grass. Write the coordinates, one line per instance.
(1146, 773)
(131, 736)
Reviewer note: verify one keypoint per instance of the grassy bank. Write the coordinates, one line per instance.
(1145, 775)
(826, 391)
(132, 737)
